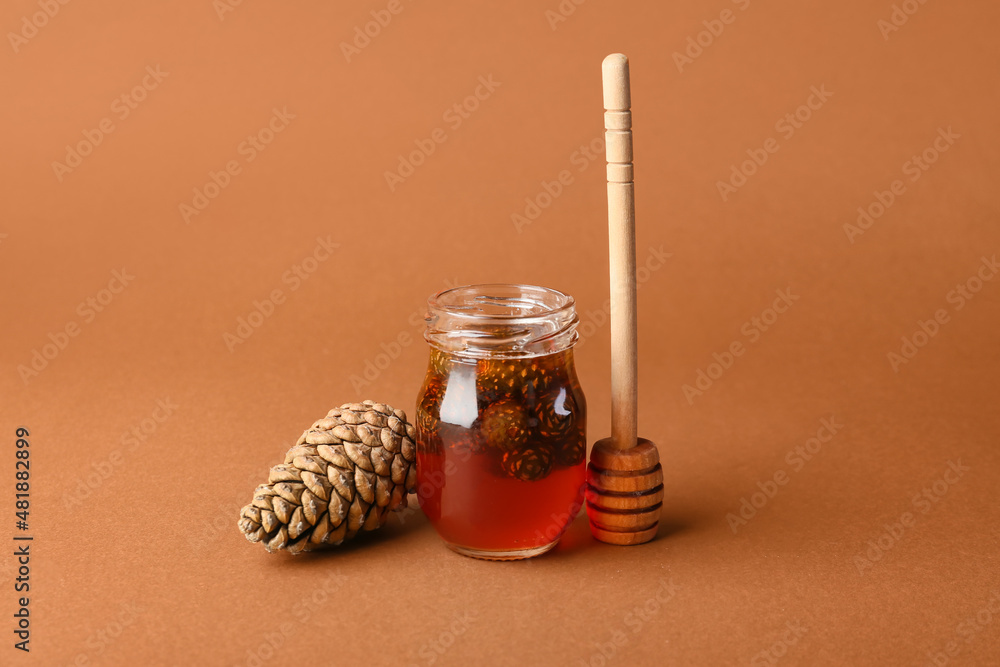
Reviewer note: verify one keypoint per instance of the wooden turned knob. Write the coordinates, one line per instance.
(624, 492)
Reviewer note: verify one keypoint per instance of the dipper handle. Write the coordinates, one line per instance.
(621, 235)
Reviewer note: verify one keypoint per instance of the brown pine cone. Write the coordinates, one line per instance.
(499, 378)
(469, 444)
(428, 416)
(504, 425)
(343, 476)
(440, 363)
(528, 465)
(556, 414)
(443, 365)
(571, 451)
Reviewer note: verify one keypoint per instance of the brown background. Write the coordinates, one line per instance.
(160, 532)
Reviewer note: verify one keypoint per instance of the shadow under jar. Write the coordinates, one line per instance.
(501, 420)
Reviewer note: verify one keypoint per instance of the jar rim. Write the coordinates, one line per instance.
(501, 320)
(491, 294)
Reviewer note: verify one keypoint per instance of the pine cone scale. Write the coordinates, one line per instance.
(282, 509)
(334, 455)
(318, 486)
(282, 473)
(290, 491)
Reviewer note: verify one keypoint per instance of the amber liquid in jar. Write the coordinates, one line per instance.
(501, 449)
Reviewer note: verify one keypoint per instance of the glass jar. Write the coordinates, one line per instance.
(501, 420)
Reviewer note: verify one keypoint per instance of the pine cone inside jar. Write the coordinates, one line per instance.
(440, 362)
(466, 445)
(429, 417)
(504, 425)
(498, 378)
(528, 465)
(556, 414)
(571, 451)
(343, 476)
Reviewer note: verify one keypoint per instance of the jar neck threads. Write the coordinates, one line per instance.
(501, 321)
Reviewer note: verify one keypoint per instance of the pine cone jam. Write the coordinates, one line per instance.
(501, 440)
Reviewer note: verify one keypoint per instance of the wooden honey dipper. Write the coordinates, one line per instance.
(624, 477)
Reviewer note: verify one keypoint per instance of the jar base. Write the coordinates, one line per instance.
(512, 554)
